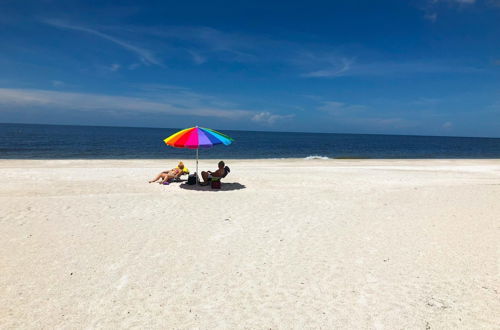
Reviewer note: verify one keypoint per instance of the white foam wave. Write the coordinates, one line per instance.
(316, 157)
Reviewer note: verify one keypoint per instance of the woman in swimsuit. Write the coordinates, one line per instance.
(169, 175)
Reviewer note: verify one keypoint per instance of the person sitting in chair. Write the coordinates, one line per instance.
(174, 173)
(221, 172)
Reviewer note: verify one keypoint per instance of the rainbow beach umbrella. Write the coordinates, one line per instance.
(196, 138)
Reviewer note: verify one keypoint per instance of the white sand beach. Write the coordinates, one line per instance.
(286, 244)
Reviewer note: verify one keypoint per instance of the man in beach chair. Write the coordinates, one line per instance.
(215, 177)
(172, 175)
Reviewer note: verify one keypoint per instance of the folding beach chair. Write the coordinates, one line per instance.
(215, 182)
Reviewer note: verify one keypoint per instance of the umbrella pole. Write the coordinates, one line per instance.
(197, 165)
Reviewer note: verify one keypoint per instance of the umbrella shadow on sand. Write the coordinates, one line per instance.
(226, 186)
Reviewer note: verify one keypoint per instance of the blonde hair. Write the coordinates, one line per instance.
(184, 168)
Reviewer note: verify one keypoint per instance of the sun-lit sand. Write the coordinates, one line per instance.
(360, 244)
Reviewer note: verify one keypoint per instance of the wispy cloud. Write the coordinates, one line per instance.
(428, 67)
(197, 58)
(204, 44)
(309, 59)
(146, 56)
(334, 67)
(22, 98)
(182, 97)
(333, 64)
(395, 69)
(201, 44)
(155, 99)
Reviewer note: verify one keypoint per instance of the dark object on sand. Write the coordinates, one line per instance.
(192, 179)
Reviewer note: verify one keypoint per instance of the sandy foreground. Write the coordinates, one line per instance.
(302, 244)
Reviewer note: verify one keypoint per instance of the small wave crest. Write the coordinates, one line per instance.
(316, 157)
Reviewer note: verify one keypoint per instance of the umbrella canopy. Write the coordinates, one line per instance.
(197, 137)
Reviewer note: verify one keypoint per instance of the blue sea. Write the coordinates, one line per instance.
(22, 141)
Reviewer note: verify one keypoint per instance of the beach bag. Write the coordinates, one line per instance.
(192, 179)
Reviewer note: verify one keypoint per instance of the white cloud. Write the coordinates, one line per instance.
(171, 101)
(269, 118)
(146, 56)
(175, 105)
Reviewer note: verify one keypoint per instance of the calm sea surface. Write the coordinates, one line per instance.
(19, 141)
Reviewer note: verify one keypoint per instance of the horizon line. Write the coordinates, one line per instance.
(263, 131)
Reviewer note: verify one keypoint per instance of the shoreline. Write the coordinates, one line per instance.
(4, 163)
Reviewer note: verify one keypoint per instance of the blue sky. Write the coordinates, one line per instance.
(429, 67)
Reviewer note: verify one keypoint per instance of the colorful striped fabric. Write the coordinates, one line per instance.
(197, 137)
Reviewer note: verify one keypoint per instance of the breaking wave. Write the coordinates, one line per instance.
(316, 157)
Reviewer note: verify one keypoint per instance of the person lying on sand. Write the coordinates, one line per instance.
(174, 173)
(219, 173)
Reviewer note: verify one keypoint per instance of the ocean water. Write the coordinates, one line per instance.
(20, 141)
